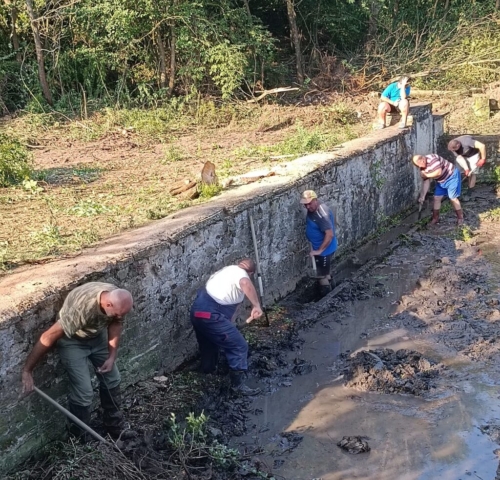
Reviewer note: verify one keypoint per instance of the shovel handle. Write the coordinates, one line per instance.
(71, 416)
(315, 268)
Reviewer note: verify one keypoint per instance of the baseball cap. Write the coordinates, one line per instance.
(308, 196)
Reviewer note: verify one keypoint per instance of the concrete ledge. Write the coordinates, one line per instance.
(165, 262)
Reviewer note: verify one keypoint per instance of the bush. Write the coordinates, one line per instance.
(15, 162)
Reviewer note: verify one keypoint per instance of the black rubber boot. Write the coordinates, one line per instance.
(238, 386)
(113, 420)
(83, 414)
(209, 361)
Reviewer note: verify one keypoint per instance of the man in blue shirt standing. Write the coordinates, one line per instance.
(320, 231)
(394, 99)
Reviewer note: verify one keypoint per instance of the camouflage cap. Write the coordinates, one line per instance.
(308, 196)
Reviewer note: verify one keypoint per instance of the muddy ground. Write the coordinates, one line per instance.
(399, 364)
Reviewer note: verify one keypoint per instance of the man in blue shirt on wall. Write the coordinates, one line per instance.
(320, 231)
(394, 99)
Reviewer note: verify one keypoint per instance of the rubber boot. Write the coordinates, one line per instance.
(238, 386)
(460, 217)
(113, 420)
(435, 217)
(209, 361)
(83, 414)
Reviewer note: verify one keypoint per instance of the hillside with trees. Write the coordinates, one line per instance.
(79, 55)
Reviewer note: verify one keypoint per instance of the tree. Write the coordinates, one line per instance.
(13, 29)
(39, 52)
(295, 37)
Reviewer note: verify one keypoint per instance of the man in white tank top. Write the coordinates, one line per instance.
(211, 316)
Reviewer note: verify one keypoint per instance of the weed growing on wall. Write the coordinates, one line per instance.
(209, 191)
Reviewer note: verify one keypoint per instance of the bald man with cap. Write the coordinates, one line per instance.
(320, 231)
(212, 316)
(88, 327)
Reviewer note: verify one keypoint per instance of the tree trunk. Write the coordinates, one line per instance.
(497, 5)
(13, 31)
(446, 8)
(373, 21)
(294, 32)
(39, 52)
(163, 63)
(13, 34)
(173, 63)
(247, 7)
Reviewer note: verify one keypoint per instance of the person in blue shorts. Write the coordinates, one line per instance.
(394, 99)
(320, 231)
(448, 183)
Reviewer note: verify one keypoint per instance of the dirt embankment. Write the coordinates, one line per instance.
(89, 188)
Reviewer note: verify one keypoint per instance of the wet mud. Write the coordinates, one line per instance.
(399, 364)
(389, 371)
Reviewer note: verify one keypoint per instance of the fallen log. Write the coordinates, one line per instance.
(182, 186)
(436, 93)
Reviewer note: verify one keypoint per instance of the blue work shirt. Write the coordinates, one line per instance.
(317, 223)
(393, 92)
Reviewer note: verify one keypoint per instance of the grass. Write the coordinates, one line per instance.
(122, 181)
(464, 233)
(492, 215)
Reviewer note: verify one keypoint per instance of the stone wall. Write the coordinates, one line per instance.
(164, 263)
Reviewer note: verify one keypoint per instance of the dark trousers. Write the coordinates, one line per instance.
(214, 331)
(75, 355)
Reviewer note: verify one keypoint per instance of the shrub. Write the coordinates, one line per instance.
(15, 162)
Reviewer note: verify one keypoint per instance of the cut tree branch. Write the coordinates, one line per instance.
(273, 90)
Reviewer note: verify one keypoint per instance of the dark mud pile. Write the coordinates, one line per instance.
(389, 371)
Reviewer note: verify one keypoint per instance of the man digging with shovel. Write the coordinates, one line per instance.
(88, 327)
(448, 183)
(212, 313)
(320, 231)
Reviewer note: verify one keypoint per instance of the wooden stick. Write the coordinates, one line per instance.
(273, 90)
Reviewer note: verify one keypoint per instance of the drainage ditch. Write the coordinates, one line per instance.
(391, 376)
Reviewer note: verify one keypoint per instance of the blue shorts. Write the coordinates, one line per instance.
(451, 187)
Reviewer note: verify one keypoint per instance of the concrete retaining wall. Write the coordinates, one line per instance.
(164, 263)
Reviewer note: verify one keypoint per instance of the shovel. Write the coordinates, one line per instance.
(259, 272)
(314, 266)
(420, 211)
(71, 416)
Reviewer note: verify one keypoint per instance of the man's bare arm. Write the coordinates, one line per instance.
(326, 241)
(482, 149)
(250, 292)
(423, 190)
(46, 342)
(114, 334)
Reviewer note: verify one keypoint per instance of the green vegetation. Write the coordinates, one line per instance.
(464, 233)
(15, 162)
(492, 215)
(191, 443)
(174, 52)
